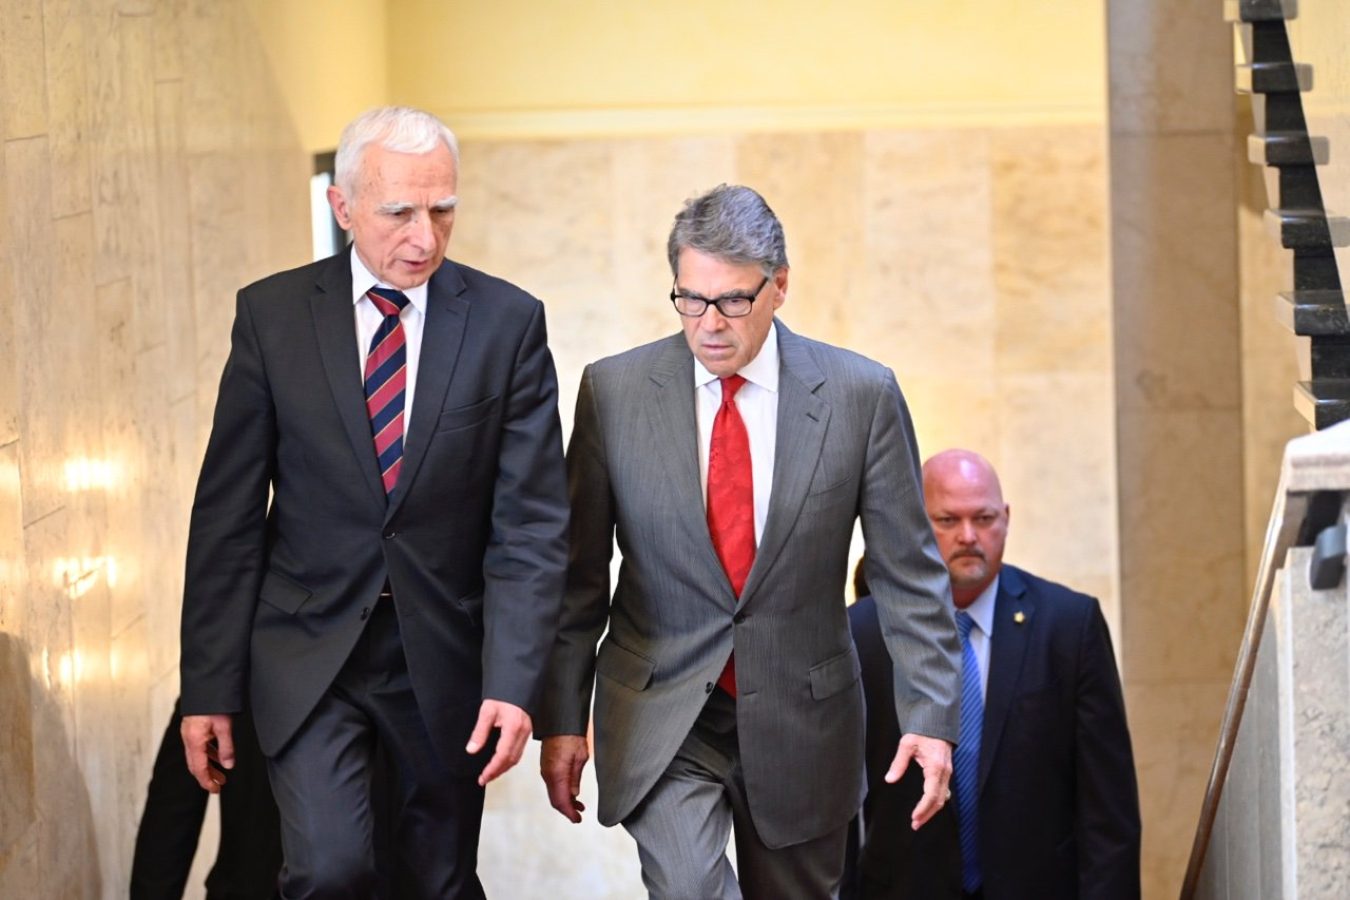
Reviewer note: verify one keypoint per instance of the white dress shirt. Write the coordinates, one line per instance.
(757, 402)
(981, 610)
(369, 317)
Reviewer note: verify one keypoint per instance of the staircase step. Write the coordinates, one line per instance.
(1259, 10)
(1324, 402)
(1288, 148)
(1307, 228)
(1291, 187)
(1274, 78)
(1308, 313)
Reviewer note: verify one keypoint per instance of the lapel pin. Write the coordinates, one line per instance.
(1019, 617)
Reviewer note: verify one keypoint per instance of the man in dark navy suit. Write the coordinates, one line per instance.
(379, 538)
(1055, 810)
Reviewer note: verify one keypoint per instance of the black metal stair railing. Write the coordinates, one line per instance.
(1315, 308)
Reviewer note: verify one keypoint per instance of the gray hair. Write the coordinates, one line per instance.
(731, 223)
(397, 128)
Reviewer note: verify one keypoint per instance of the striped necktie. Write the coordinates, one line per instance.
(386, 383)
(966, 761)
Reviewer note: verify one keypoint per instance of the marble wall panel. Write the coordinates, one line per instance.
(814, 183)
(930, 302)
(1050, 249)
(1173, 727)
(954, 410)
(128, 672)
(1063, 524)
(100, 328)
(23, 106)
(9, 382)
(1174, 546)
(20, 872)
(652, 179)
(1175, 252)
(112, 471)
(110, 146)
(1191, 92)
(66, 27)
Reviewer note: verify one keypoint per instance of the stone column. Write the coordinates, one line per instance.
(1174, 150)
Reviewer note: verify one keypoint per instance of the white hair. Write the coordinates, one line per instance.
(397, 128)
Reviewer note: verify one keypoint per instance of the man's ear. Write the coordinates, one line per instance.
(338, 201)
(780, 281)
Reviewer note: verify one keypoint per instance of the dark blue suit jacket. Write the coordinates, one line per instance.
(1059, 806)
(292, 536)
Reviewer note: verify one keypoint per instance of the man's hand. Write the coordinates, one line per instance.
(561, 763)
(207, 740)
(516, 727)
(934, 756)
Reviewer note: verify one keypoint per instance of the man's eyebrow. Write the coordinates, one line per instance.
(447, 203)
(739, 293)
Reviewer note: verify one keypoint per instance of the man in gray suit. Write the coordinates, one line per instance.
(731, 461)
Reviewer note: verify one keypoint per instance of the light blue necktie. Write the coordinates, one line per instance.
(966, 763)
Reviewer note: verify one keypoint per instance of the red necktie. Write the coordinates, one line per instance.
(731, 501)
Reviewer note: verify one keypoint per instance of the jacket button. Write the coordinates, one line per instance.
(390, 535)
(365, 613)
(739, 618)
(707, 688)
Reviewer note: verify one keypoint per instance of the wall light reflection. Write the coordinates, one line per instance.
(83, 473)
(78, 575)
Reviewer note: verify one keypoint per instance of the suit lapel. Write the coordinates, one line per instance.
(1007, 650)
(335, 329)
(442, 335)
(674, 432)
(803, 419)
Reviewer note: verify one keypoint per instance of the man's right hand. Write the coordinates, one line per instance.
(561, 762)
(209, 739)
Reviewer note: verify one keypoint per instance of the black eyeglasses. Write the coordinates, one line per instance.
(732, 305)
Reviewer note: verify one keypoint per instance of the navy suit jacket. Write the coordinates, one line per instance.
(473, 540)
(1058, 800)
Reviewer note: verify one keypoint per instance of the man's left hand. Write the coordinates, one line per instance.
(516, 728)
(934, 756)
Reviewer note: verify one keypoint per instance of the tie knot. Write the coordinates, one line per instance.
(387, 300)
(730, 385)
(963, 623)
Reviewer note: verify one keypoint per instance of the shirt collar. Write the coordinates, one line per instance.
(363, 281)
(762, 370)
(982, 609)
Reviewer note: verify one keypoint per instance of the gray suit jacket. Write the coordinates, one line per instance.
(845, 449)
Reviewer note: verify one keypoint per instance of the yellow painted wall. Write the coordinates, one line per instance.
(329, 58)
(530, 68)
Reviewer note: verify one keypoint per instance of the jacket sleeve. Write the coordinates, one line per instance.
(907, 576)
(1107, 794)
(566, 708)
(227, 534)
(526, 555)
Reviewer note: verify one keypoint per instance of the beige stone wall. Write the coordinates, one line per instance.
(147, 172)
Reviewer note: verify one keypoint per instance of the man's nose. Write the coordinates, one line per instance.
(420, 230)
(966, 533)
(712, 319)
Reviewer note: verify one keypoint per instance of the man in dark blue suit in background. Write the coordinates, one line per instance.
(1050, 810)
